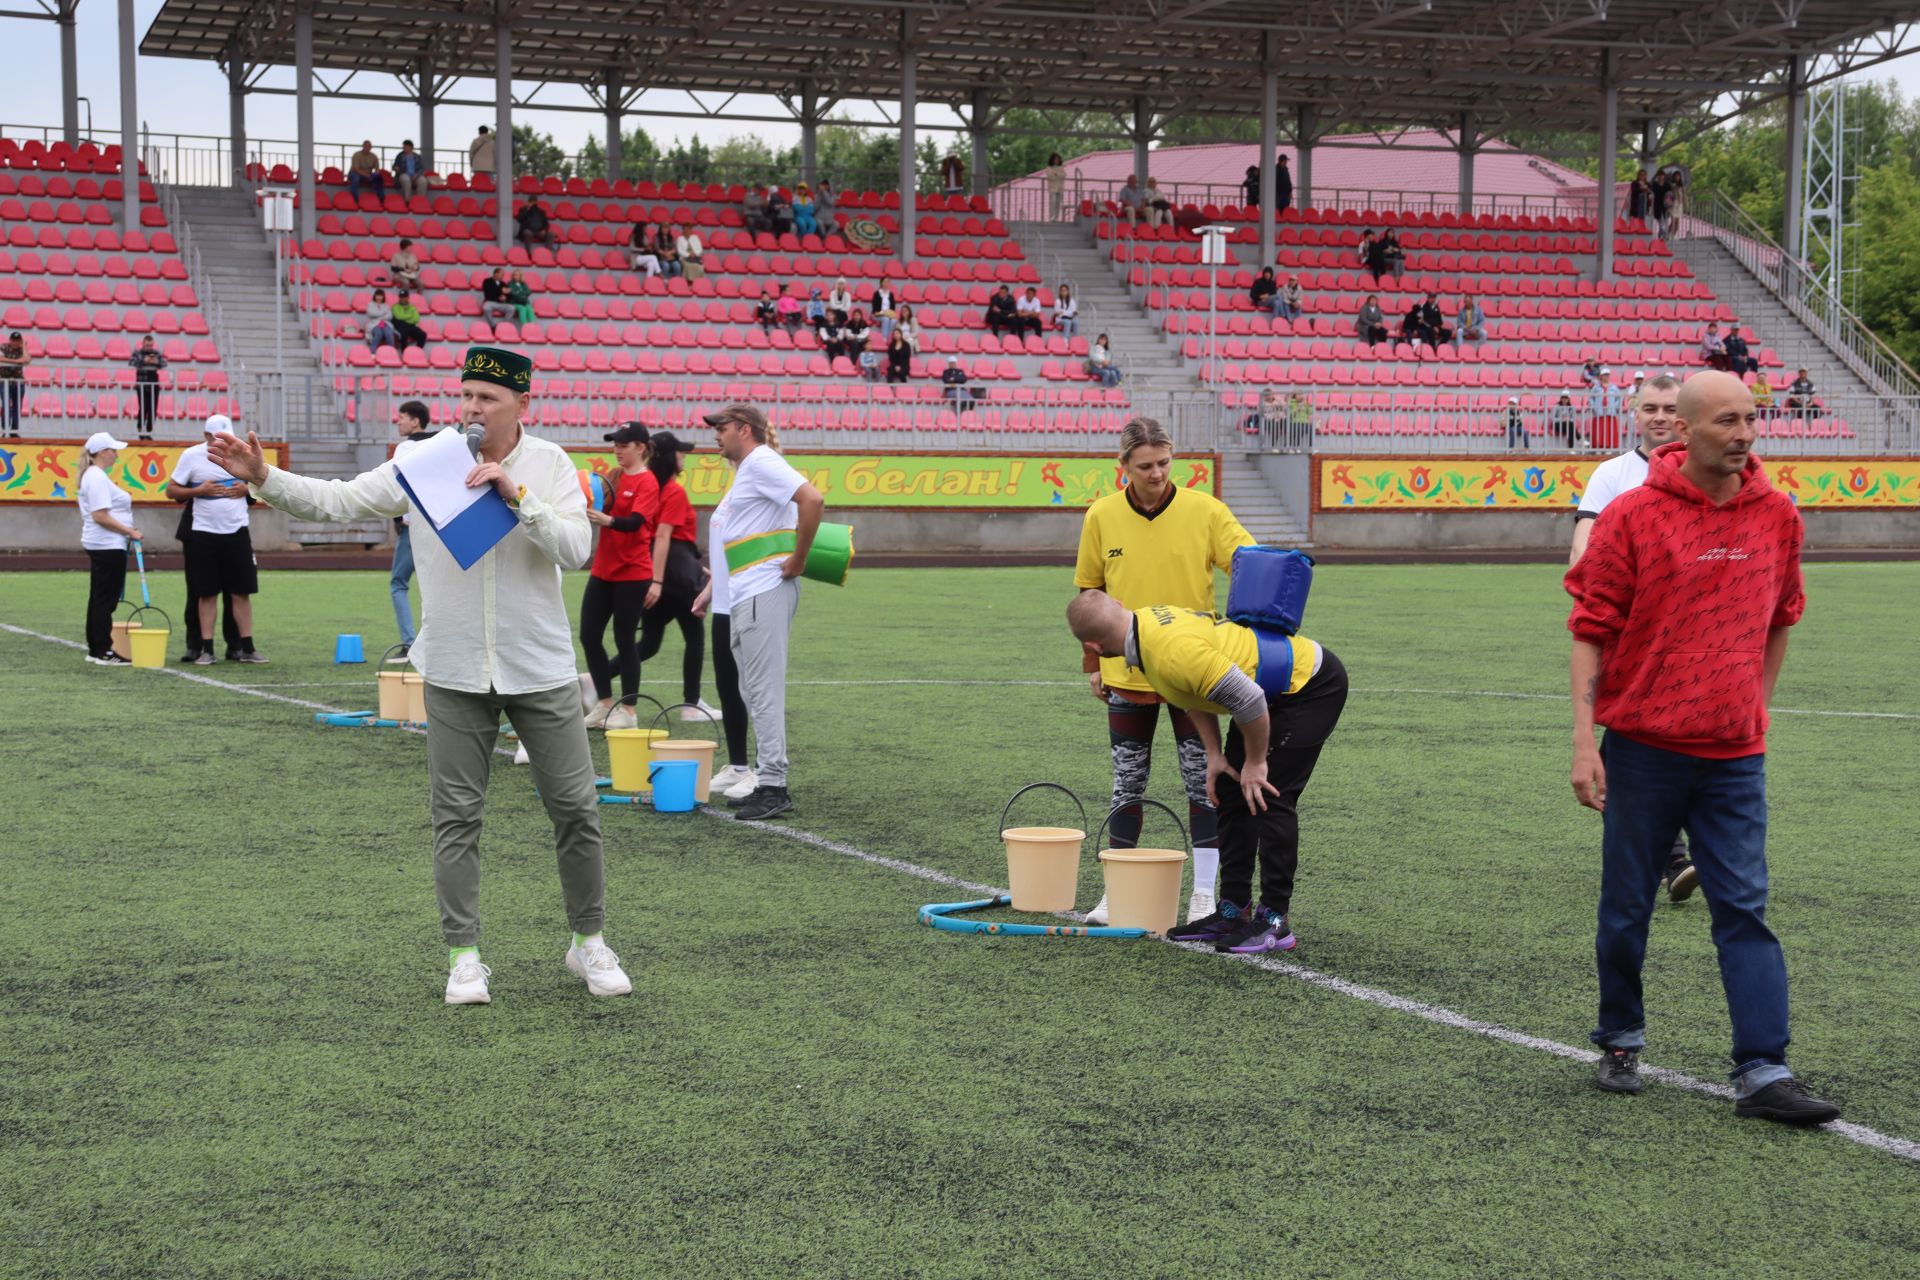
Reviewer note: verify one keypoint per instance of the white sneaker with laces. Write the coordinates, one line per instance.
(731, 776)
(520, 754)
(596, 963)
(622, 717)
(597, 715)
(743, 788)
(467, 982)
(1099, 913)
(699, 711)
(1200, 905)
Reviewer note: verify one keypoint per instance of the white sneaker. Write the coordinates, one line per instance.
(699, 711)
(1200, 905)
(467, 982)
(741, 789)
(597, 715)
(622, 717)
(731, 776)
(520, 754)
(1099, 913)
(596, 963)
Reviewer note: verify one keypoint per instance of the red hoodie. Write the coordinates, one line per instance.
(1679, 595)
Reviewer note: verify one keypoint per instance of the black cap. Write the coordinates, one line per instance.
(631, 433)
(662, 441)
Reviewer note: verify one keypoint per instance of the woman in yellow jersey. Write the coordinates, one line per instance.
(1285, 694)
(1154, 543)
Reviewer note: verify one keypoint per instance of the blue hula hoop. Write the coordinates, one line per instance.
(940, 915)
(357, 720)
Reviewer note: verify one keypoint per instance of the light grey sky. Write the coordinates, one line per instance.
(178, 96)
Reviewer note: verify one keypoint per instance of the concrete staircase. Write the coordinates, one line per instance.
(1257, 505)
(265, 337)
(1152, 367)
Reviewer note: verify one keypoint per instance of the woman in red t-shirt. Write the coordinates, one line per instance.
(621, 584)
(681, 573)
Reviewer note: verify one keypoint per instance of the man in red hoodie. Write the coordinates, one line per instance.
(1681, 608)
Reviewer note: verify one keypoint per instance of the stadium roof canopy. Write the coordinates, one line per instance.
(1540, 64)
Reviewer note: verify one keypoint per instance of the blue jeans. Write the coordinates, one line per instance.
(1722, 804)
(1068, 325)
(355, 182)
(397, 584)
(1282, 309)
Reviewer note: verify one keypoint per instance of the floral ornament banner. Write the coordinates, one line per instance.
(1555, 484)
(42, 472)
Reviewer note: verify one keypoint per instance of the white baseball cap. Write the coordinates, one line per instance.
(217, 424)
(103, 440)
(1605, 369)
(1513, 399)
(1639, 373)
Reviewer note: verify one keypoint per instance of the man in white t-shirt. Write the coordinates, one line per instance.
(1655, 407)
(220, 557)
(759, 538)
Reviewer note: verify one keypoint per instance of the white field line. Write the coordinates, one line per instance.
(1904, 1148)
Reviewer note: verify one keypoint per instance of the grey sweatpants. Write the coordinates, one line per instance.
(462, 731)
(759, 631)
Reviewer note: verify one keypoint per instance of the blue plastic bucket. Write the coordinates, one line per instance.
(673, 784)
(1269, 588)
(348, 648)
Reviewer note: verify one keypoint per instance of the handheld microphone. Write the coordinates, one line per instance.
(476, 436)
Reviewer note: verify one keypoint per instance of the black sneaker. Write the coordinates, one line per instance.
(764, 803)
(1260, 929)
(1788, 1102)
(1227, 918)
(1620, 1071)
(1681, 880)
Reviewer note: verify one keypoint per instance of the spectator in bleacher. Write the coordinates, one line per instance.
(531, 225)
(521, 296)
(804, 222)
(883, 304)
(1056, 184)
(1740, 361)
(766, 312)
(1002, 315)
(1282, 185)
(1658, 192)
(1290, 301)
(380, 331)
(823, 202)
(791, 310)
(1132, 200)
(899, 356)
(1393, 255)
(858, 333)
(1100, 362)
(363, 170)
(480, 152)
(406, 322)
(1633, 392)
(954, 380)
(1763, 396)
(1676, 201)
(1563, 421)
(640, 245)
(690, 251)
(1591, 372)
(494, 305)
(1413, 327)
(1373, 255)
(1066, 311)
(13, 371)
(1800, 393)
(816, 309)
(1517, 437)
(1604, 406)
(1639, 196)
(1157, 207)
(841, 299)
(1713, 347)
(409, 171)
(404, 266)
(833, 335)
(666, 248)
(1250, 186)
(1263, 289)
(753, 208)
(1299, 421)
(779, 213)
(872, 364)
(1267, 418)
(1472, 320)
(1370, 326)
(906, 324)
(1434, 322)
(1030, 316)
(953, 174)
(147, 363)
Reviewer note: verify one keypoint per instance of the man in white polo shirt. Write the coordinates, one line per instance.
(220, 556)
(758, 539)
(1656, 404)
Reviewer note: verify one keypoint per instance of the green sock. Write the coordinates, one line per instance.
(580, 939)
(454, 954)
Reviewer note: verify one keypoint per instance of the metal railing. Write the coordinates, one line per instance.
(1026, 199)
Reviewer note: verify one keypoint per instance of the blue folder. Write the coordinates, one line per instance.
(473, 532)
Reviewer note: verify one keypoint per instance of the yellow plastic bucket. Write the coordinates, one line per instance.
(631, 751)
(1043, 863)
(1143, 885)
(148, 646)
(393, 695)
(415, 686)
(698, 750)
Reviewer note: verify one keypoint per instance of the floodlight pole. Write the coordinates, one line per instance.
(1269, 146)
(1609, 163)
(303, 114)
(503, 130)
(909, 90)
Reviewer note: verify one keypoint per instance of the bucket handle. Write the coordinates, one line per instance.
(1143, 802)
(388, 654)
(151, 608)
(675, 707)
(1035, 786)
(635, 699)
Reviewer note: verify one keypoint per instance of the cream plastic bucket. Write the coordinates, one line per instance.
(393, 695)
(416, 690)
(1143, 888)
(1043, 863)
(698, 750)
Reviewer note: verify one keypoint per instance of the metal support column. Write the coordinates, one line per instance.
(129, 123)
(909, 92)
(1609, 166)
(1303, 149)
(423, 74)
(303, 115)
(1142, 135)
(1269, 146)
(1796, 144)
(503, 131)
(69, 73)
(612, 89)
(809, 133)
(1469, 147)
(980, 128)
(237, 114)
(1649, 155)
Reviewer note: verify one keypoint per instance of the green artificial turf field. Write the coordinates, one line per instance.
(224, 1052)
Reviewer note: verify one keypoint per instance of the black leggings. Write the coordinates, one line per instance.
(653, 629)
(1299, 725)
(1130, 728)
(733, 707)
(107, 584)
(621, 602)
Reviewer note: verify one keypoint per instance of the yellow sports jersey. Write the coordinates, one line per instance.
(1186, 652)
(1165, 558)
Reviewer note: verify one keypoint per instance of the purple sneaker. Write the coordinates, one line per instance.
(1228, 920)
(1261, 930)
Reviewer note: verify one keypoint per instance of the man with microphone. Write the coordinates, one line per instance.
(492, 638)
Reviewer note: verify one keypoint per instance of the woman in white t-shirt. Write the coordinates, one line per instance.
(106, 523)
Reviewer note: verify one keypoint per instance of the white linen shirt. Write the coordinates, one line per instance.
(501, 625)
